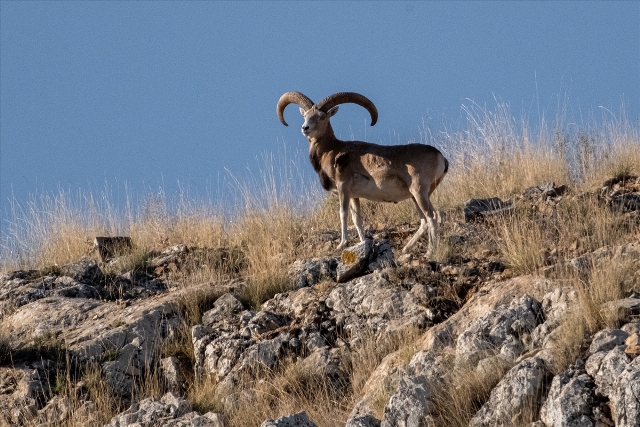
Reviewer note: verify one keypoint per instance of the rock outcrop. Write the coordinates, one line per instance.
(470, 314)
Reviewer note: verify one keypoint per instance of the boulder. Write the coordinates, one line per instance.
(354, 261)
(324, 363)
(517, 397)
(225, 306)
(169, 411)
(625, 396)
(121, 372)
(411, 404)
(309, 273)
(605, 367)
(479, 209)
(85, 270)
(366, 256)
(617, 377)
(570, 400)
(500, 332)
(111, 247)
(607, 339)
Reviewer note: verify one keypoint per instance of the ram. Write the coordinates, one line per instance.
(355, 169)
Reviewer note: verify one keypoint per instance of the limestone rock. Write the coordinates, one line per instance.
(570, 400)
(555, 305)
(225, 306)
(366, 256)
(169, 411)
(324, 363)
(499, 332)
(354, 261)
(386, 376)
(86, 271)
(605, 367)
(265, 321)
(601, 258)
(363, 421)
(516, 398)
(173, 374)
(607, 339)
(120, 373)
(625, 396)
(56, 411)
(545, 191)
(23, 390)
(296, 420)
(309, 273)
(410, 404)
(264, 354)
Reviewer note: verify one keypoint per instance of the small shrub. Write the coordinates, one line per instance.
(117, 323)
(60, 385)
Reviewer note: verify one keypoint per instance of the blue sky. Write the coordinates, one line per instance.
(152, 94)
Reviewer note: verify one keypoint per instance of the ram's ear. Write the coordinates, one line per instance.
(302, 111)
(332, 111)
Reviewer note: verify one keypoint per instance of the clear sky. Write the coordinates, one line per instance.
(153, 94)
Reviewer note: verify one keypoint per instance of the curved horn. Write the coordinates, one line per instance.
(349, 97)
(292, 98)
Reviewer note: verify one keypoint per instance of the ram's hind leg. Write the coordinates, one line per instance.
(427, 220)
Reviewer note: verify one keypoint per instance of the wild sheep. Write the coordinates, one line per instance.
(356, 169)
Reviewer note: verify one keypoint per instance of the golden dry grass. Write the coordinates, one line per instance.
(463, 394)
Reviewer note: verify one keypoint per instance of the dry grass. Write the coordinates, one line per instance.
(522, 242)
(568, 341)
(289, 389)
(608, 280)
(463, 394)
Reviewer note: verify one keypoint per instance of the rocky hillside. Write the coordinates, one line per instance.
(490, 335)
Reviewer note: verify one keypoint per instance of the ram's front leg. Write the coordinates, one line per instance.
(344, 211)
(357, 217)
